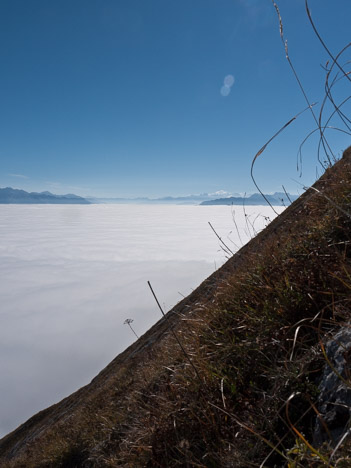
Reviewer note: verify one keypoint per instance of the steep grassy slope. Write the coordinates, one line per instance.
(243, 389)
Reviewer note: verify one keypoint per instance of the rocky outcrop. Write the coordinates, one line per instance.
(335, 390)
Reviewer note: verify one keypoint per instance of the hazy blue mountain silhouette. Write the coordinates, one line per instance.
(277, 199)
(9, 195)
(194, 199)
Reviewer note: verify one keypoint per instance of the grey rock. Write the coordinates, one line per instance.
(334, 401)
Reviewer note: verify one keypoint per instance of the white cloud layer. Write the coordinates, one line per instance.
(71, 275)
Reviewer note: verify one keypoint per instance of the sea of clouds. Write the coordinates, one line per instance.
(71, 274)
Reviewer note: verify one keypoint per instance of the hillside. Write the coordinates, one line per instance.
(244, 389)
(9, 195)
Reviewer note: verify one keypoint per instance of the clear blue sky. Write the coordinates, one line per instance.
(123, 97)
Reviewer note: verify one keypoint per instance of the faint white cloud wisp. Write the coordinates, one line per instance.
(19, 176)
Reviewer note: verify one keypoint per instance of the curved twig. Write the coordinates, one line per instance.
(265, 146)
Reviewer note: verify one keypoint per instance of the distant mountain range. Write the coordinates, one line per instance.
(183, 200)
(9, 195)
(277, 199)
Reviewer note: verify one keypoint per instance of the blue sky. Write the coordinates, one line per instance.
(123, 97)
